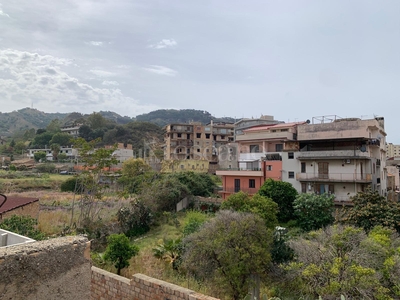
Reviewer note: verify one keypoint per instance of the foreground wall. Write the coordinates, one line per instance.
(52, 269)
(106, 285)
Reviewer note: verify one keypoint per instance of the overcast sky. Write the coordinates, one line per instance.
(291, 59)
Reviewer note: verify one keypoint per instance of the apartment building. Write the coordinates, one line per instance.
(342, 156)
(246, 123)
(327, 155)
(265, 151)
(392, 150)
(71, 153)
(72, 130)
(197, 142)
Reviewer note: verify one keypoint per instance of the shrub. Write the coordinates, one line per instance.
(73, 184)
(23, 225)
(314, 211)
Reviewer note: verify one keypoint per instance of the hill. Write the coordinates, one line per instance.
(163, 117)
(24, 119)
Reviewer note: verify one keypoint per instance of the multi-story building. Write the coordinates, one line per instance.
(342, 156)
(392, 150)
(246, 123)
(70, 152)
(72, 130)
(327, 155)
(265, 151)
(195, 141)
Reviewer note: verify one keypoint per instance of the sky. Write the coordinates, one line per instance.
(292, 59)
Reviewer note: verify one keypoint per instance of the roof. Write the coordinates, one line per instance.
(15, 202)
(280, 125)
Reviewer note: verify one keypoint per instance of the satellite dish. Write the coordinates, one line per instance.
(308, 121)
(363, 148)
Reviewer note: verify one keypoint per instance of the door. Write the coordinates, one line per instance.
(237, 185)
(323, 170)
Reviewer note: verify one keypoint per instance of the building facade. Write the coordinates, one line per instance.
(392, 151)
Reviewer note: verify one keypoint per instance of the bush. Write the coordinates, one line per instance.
(135, 219)
(314, 211)
(73, 184)
(23, 225)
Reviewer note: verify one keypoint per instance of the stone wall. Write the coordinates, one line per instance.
(52, 269)
(106, 285)
(31, 209)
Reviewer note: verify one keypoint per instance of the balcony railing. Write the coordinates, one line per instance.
(333, 154)
(334, 177)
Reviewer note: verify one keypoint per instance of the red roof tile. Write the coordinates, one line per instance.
(15, 202)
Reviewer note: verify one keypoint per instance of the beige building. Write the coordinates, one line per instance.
(342, 156)
(198, 142)
(392, 150)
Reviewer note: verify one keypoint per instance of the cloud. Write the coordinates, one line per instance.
(126, 67)
(27, 78)
(94, 43)
(2, 13)
(165, 43)
(161, 70)
(101, 73)
(110, 83)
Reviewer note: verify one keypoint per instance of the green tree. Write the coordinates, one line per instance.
(96, 121)
(42, 140)
(39, 156)
(135, 219)
(314, 211)
(54, 126)
(199, 184)
(12, 143)
(345, 261)
(228, 250)
(169, 250)
(282, 193)
(371, 209)
(63, 139)
(134, 167)
(257, 204)
(56, 149)
(119, 251)
(20, 147)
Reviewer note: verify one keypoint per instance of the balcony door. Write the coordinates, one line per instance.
(323, 170)
(237, 185)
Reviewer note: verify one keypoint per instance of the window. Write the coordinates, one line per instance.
(290, 155)
(303, 167)
(284, 130)
(207, 135)
(187, 151)
(291, 174)
(278, 147)
(182, 167)
(198, 135)
(269, 168)
(252, 183)
(207, 150)
(179, 135)
(254, 148)
(222, 137)
(198, 150)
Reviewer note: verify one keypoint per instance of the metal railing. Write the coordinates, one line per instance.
(362, 177)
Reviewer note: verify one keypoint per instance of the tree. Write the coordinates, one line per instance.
(370, 209)
(42, 140)
(170, 251)
(228, 250)
(345, 261)
(39, 156)
(135, 219)
(119, 251)
(20, 147)
(56, 149)
(314, 211)
(134, 167)
(282, 193)
(54, 126)
(63, 139)
(257, 204)
(199, 184)
(85, 132)
(96, 121)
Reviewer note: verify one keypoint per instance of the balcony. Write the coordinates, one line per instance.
(333, 154)
(256, 172)
(334, 177)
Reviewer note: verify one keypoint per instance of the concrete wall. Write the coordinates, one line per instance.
(106, 285)
(51, 269)
(31, 209)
